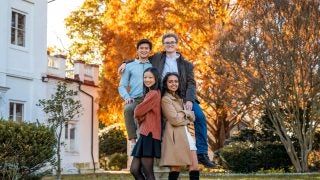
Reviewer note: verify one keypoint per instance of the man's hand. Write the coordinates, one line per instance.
(122, 68)
(189, 105)
(129, 101)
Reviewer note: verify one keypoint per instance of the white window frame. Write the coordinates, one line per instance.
(88, 71)
(70, 136)
(52, 63)
(14, 115)
(15, 29)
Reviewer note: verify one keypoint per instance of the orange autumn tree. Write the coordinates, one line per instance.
(85, 28)
(197, 24)
(124, 27)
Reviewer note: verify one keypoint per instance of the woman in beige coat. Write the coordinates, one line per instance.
(178, 146)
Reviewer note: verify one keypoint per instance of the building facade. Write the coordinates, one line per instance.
(80, 136)
(28, 74)
(23, 57)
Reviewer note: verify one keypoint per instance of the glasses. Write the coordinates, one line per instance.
(169, 43)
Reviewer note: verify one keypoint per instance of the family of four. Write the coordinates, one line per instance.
(162, 86)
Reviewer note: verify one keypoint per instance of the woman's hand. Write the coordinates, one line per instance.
(189, 105)
(122, 68)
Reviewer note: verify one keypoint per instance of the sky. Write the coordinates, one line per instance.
(58, 10)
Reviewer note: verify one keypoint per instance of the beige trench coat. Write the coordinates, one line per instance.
(175, 150)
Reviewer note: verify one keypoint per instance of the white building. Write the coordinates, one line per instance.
(23, 57)
(25, 77)
(81, 135)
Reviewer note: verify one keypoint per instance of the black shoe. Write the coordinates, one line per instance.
(204, 160)
(194, 175)
(173, 175)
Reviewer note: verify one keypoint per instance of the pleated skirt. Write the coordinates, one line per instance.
(146, 146)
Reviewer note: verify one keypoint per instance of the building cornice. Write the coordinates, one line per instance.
(85, 83)
(29, 1)
(4, 89)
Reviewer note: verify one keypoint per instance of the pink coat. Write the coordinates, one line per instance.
(148, 114)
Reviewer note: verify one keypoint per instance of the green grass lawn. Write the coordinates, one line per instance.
(203, 176)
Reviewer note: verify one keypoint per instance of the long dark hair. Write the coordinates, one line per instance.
(157, 83)
(165, 86)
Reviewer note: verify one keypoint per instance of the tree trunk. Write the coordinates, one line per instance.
(58, 154)
(223, 131)
(292, 154)
(287, 143)
(304, 163)
(304, 157)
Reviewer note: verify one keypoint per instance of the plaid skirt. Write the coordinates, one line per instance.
(146, 146)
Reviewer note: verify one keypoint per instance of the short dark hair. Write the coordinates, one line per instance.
(144, 41)
(167, 35)
(165, 86)
(157, 83)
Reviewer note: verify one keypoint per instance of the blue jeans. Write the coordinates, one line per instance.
(200, 125)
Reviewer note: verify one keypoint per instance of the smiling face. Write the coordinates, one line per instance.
(143, 51)
(148, 79)
(170, 44)
(173, 83)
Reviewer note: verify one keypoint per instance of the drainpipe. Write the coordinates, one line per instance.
(94, 166)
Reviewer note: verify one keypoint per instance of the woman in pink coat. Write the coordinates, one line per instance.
(148, 115)
(178, 146)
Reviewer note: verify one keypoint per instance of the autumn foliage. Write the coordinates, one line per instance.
(237, 47)
(197, 23)
(194, 22)
(274, 47)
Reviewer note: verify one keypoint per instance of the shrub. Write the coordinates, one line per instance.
(117, 161)
(25, 148)
(254, 149)
(245, 157)
(251, 150)
(316, 141)
(112, 141)
(314, 160)
(273, 156)
(238, 157)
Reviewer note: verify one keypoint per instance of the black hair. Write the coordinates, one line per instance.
(165, 86)
(157, 83)
(144, 41)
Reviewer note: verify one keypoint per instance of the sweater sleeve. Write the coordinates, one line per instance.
(124, 82)
(174, 117)
(146, 105)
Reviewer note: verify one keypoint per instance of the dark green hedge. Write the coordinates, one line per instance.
(112, 141)
(251, 150)
(247, 157)
(25, 148)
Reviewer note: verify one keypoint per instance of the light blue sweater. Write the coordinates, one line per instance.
(132, 77)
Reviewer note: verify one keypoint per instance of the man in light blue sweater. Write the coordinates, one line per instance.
(172, 61)
(132, 77)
